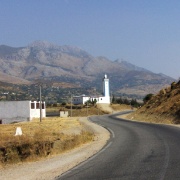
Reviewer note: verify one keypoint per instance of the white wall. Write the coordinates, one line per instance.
(104, 99)
(80, 99)
(85, 99)
(63, 114)
(77, 100)
(11, 111)
(35, 113)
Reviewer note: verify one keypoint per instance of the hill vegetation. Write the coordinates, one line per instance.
(164, 107)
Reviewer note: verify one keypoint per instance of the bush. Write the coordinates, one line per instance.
(63, 104)
(55, 105)
(147, 97)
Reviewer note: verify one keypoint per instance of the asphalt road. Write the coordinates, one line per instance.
(135, 151)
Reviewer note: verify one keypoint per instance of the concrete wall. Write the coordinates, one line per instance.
(77, 100)
(9, 109)
(35, 112)
(80, 99)
(104, 100)
(63, 113)
(83, 99)
(15, 111)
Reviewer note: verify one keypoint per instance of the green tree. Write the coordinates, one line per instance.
(134, 103)
(147, 97)
(113, 99)
(63, 103)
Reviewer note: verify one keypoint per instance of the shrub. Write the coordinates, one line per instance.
(147, 97)
(63, 104)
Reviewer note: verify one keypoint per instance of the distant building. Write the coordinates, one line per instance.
(17, 111)
(99, 99)
(63, 113)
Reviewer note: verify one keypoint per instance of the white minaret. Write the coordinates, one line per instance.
(106, 86)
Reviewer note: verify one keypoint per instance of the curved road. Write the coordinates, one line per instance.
(135, 151)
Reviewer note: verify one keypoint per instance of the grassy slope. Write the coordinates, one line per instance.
(161, 108)
(40, 139)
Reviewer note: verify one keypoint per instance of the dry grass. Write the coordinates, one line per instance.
(163, 107)
(40, 139)
(48, 126)
(77, 111)
(150, 118)
(120, 107)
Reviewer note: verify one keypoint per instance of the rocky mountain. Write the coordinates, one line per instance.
(164, 107)
(43, 60)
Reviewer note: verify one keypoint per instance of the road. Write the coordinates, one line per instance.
(135, 151)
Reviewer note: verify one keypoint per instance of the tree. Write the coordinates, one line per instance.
(113, 99)
(63, 103)
(94, 102)
(134, 103)
(147, 97)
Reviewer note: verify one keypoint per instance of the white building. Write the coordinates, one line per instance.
(99, 99)
(16, 111)
(63, 114)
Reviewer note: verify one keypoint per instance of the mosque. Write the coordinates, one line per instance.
(99, 99)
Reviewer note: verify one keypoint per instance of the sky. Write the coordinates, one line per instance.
(145, 33)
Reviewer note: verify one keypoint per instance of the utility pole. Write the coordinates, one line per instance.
(111, 97)
(98, 110)
(40, 103)
(71, 105)
(39, 84)
(87, 108)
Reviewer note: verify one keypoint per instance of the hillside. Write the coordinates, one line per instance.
(163, 107)
(67, 64)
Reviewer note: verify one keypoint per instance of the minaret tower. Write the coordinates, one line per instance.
(106, 86)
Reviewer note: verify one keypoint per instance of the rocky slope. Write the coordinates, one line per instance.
(43, 60)
(163, 107)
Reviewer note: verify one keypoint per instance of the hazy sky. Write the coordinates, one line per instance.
(143, 32)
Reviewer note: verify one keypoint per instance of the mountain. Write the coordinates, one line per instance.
(131, 67)
(164, 107)
(44, 60)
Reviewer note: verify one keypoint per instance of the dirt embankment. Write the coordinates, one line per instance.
(112, 108)
(163, 107)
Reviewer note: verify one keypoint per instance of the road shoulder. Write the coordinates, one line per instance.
(55, 166)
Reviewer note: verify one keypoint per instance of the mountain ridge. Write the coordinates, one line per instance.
(42, 59)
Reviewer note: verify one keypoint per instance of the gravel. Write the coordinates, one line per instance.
(52, 167)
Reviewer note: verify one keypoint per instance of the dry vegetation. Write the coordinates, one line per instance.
(82, 110)
(142, 90)
(161, 108)
(120, 107)
(65, 85)
(51, 136)
(78, 110)
(40, 139)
